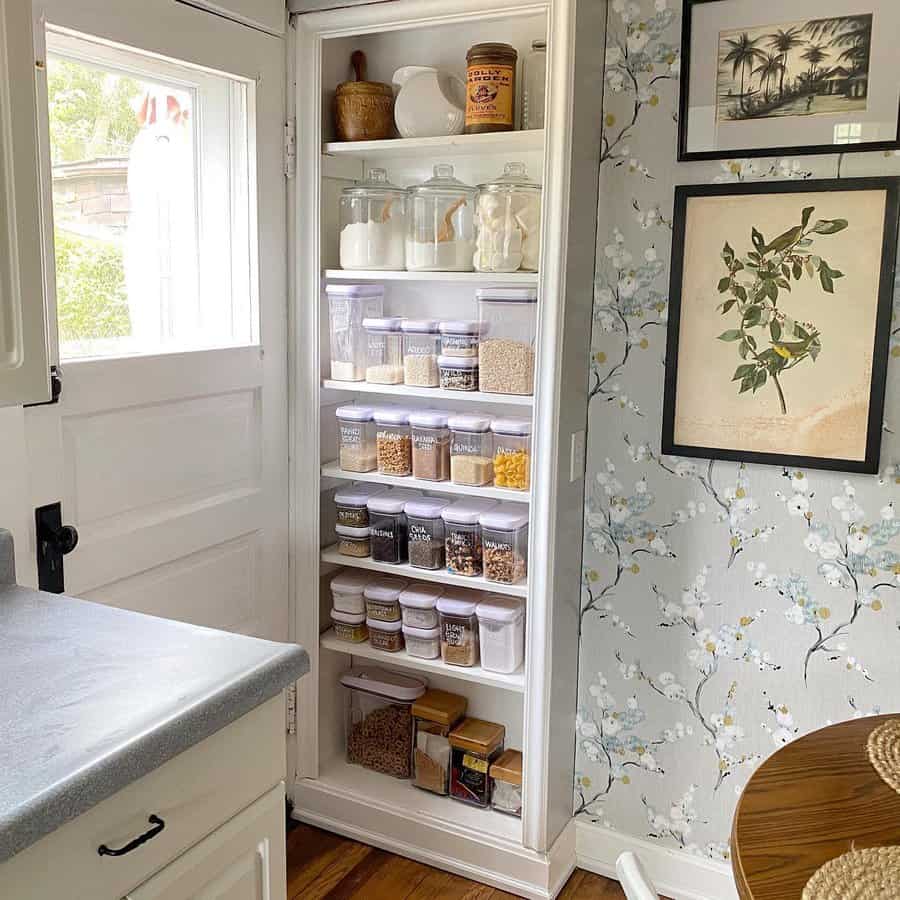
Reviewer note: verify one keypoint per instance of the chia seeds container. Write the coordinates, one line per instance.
(426, 533)
(388, 528)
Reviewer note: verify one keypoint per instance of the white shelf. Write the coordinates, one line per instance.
(402, 390)
(482, 279)
(514, 682)
(501, 142)
(441, 576)
(333, 470)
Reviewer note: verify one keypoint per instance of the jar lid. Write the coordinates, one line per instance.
(459, 602)
(351, 531)
(429, 418)
(391, 501)
(442, 182)
(426, 507)
(384, 323)
(508, 767)
(458, 362)
(470, 423)
(421, 596)
(478, 736)
(354, 291)
(419, 326)
(497, 608)
(385, 589)
(375, 184)
(461, 326)
(468, 511)
(386, 684)
(506, 295)
(492, 48)
(505, 517)
(380, 625)
(347, 618)
(440, 706)
(515, 175)
(424, 634)
(355, 413)
(357, 494)
(511, 426)
(391, 415)
(350, 581)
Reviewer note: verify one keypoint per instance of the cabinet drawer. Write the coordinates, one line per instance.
(192, 794)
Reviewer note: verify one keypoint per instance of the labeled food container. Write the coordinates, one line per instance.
(373, 224)
(348, 305)
(387, 525)
(382, 598)
(421, 348)
(430, 434)
(463, 543)
(460, 337)
(471, 450)
(501, 633)
(350, 627)
(441, 228)
(384, 350)
(424, 643)
(459, 626)
(350, 504)
(506, 783)
(347, 592)
(356, 434)
(353, 541)
(474, 745)
(435, 715)
(385, 635)
(418, 605)
(425, 530)
(504, 534)
(379, 723)
(458, 373)
(512, 453)
(393, 444)
(508, 222)
(506, 354)
(490, 87)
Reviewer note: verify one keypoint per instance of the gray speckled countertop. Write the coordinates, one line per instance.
(93, 698)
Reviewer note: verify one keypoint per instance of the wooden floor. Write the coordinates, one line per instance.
(324, 866)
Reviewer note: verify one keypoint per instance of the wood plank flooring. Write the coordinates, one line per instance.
(325, 866)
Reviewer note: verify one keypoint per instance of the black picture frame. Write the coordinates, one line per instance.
(880, 356)
(685, 155)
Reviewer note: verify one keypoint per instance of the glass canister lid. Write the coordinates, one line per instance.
(442, 183)
(515, 177)
(375, 184)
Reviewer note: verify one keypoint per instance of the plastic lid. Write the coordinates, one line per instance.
(458, 362)
(478, 736)
(429, 418)
(374, 184)
(425, 634)
(505, 517)
(506, 295)
(385, 589)
(515, 174)
(391, 415)
(380, 625)
(426, 507)
(442, 182)
(497, 608)
(349, 582)
(461, 326)
(391, 501)
(350, 531)
(385, 323)
(386, 684)
(470, 423)
(347, 618)
(441, 707)
(354, 291)
(468, 511)
(508, 765)
(458, 602)
(355, 413)
(420, 326)
(357, 494)
(421, 596)
(511, 426)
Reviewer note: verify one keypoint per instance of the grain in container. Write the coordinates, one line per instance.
(430, 434)
(424, 643)
(348, 306)
(386, 636)
(501, 633)
(373, 224)
(356, 436)
(349, 627)
(463, 541)
(378, 719)
(383, 598)
(506, 354)
(471, 450)
(426, 533)
(475, 744)
(421, 348)
(435, 714)
(353, 541)
(512, 453)
(388, 528)
(506, 783)
(458, 373)
(393, 443)
(350, 504)
(504, 535)
(460, 337)
(384, 350)
(459, 626)
(418, 605)
(347, 591)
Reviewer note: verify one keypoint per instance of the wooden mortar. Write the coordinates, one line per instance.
(363, 110)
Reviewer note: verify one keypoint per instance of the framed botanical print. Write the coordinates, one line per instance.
(768, 78)
(779, 326)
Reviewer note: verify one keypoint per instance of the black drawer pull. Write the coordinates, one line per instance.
(148, 835)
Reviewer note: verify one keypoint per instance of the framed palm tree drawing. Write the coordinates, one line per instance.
(766, 78)
(780, 300)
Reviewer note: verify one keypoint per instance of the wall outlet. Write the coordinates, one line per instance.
(576, 457)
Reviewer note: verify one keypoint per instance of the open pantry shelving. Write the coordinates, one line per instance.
(505, 142)
(404, 392)
(477, 279)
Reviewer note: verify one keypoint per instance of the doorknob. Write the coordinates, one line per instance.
(54, 540)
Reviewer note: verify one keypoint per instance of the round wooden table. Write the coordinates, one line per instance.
(811, 801)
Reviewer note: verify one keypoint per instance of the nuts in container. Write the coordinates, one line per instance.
(504, 535)
(426, 532)
(463, 541)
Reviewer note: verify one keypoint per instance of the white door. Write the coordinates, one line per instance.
(162, 147)
(242, 860)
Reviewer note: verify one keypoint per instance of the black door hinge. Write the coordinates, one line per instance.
(55, 388)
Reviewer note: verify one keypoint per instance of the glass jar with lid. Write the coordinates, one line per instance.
(373, 224)
(384, 350)
(441, 235)
(512, 453)
(508, 222)
(506, 354)
(471, 458)
(348, 305)
(421, 348)
(430, 444)
(356, 434)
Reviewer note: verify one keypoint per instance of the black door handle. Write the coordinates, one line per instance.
(158, 825)
(54, 541)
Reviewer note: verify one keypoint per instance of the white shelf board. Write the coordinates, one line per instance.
(333, 470)
(441, 576)
(501, 142)
(482, 279)
(403, 390)
(514, 682)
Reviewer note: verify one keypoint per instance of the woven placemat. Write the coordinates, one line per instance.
(883, 747)
(872, 874)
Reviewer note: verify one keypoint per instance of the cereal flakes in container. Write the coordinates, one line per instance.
(356, 435)
(384, 350)
(418, 605)
(459, 627)
(393, 442)
(350, 504)
(463, 541)
(506, 353)
(347, 591)
(512, 453)
(501, 633)
(421, 348)
(471, 450)
(425, 529)
(348, 306)
(504, 535)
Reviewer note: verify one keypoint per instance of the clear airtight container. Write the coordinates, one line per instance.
(430, 444)
(347, 592)
(373, 224)
(421, 348)
(350, 627)
(387, 525)
(512, 453)
(508, 222)
(471, 450)
(504, 534)
(506, 783)
(385, 635)
(426, 532)
(393, 443)
(458, 373)
(506, 354)
(354, 542)
(425, 643)
(383, 598)
(435, 714)
(350, 504)
(459, 627)
(348, 305)
(460, 337)
(356, 435)
(441, 233)
(384, 350)
(418, 605)
(501, 633)
(465, 553)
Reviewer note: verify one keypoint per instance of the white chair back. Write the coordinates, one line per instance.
(633, 878)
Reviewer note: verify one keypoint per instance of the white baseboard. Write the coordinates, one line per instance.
(676, 873)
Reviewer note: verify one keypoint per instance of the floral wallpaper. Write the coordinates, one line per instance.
(726, 608)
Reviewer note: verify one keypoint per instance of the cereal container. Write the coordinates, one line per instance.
(459, 627)
(501, 633)
(460, 337)
(418, 605)
(356, 433)
(463, 542)
(347, 591)
(350, 627)
(471, 454)
(421, 348)
(379, 723)
(512, 453)
(430, 444)
(383, 598)
(393, 444)
(436, 714)
(506, 783)
(350, 504)
(506, 354)
(373, 224)
(504, 535)
(348, 305)
(384, 350)
(387, 527)
(425, 529)
(475, 744)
